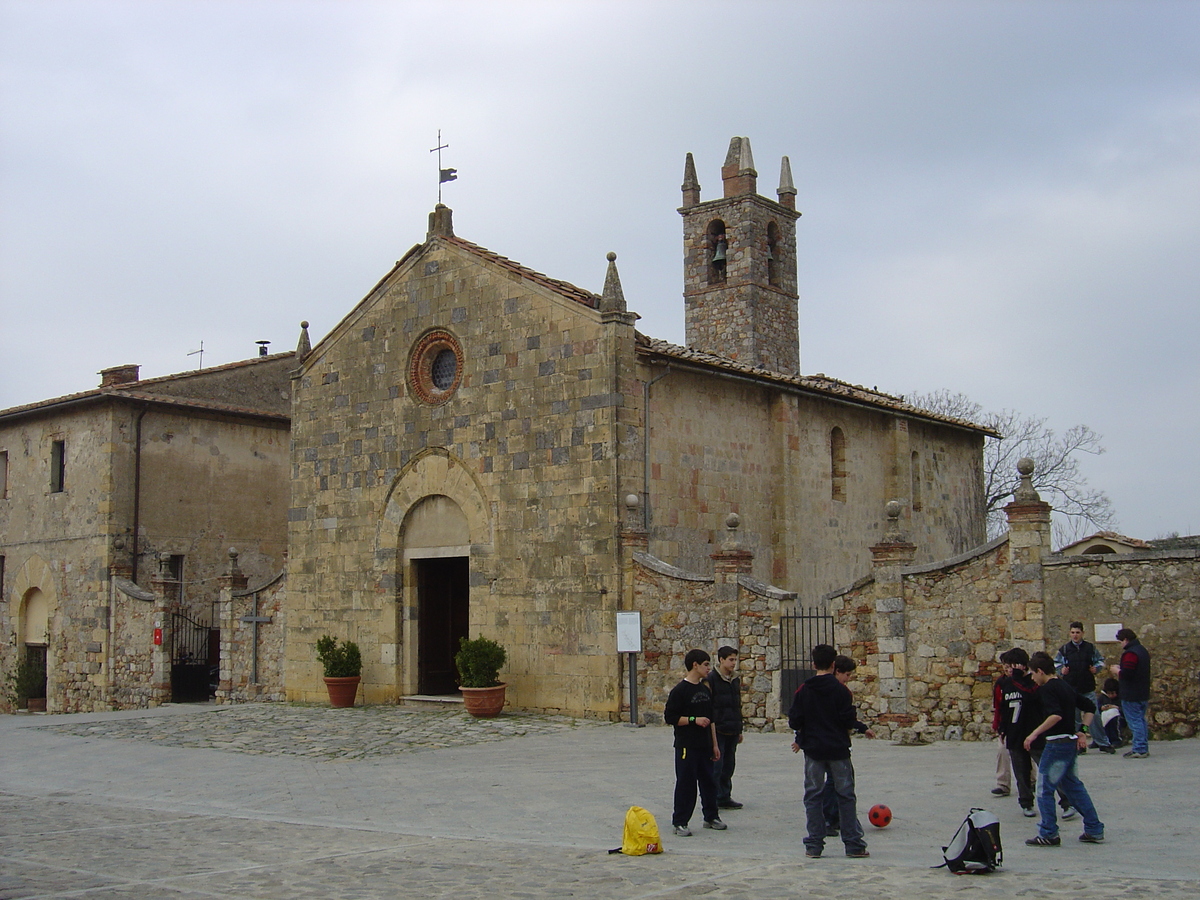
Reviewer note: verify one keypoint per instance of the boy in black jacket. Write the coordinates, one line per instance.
(690, 709)
(822, 716)
(727, 718)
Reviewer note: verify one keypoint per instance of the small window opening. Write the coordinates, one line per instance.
(916, 481)
(3, 474)
(773, 255)
(58, 467)
(837, 463)
(718, 252)
(444, 369)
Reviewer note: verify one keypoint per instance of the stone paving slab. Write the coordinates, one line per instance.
(93, 806)
(361, 732)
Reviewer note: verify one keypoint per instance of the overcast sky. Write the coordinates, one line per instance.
(999, 198)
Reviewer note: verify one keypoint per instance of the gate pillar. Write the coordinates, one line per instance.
(162, 634)
(890, 659)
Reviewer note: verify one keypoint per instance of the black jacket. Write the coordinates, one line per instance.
(727, 703)
(822, 716)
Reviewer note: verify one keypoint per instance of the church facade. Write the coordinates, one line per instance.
(471, 442)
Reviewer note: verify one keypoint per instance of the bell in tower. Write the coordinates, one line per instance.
(739, 286)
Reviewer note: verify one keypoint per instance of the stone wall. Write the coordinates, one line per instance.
(681, 611)
(252, 652)
(927, 637)
(1157, 594)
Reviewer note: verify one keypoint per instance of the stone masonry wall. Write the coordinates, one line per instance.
(1157, 594)
(239, 641)
(681, 611)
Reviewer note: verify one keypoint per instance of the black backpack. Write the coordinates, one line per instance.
(975, 848)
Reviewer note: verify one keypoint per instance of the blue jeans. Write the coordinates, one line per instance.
(841, 771)
(723, 767)
(1134, 712)
(1057, 771)
(1099, 735)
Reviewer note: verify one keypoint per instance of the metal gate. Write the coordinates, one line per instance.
(191, 660)
(798, 634)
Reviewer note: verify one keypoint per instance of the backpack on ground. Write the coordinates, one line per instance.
(975, 848)
(641, 834)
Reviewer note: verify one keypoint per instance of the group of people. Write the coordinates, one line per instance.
(1045, 711)
(705, 711)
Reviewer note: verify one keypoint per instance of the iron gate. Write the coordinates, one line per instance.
(798, 634)
(191, 659)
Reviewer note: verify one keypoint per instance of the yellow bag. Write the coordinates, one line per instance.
(641, 833)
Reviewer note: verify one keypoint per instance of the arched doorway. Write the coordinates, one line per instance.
(436, 540)
(35, 632)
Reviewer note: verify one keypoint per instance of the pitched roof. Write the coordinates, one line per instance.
(568, 290)
(156, 391)
(820, 385)
(1133, 543)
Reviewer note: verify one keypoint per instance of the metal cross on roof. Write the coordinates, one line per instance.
(444, 175)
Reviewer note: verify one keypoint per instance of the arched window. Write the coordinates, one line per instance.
(773, 254)
(837, 463)
(718, 247)
(916, 481)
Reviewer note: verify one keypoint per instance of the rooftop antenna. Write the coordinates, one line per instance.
(444, 175)
(201, 352)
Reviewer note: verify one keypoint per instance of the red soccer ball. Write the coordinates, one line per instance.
(879, 815)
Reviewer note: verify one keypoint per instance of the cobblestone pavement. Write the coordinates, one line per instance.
(277, 802)
(361, 732)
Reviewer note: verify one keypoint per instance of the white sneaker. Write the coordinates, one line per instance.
(1028, 812)
(1069, 813)
(682, 831)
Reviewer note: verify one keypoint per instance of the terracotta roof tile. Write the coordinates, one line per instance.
(578, 294)
(818, 384)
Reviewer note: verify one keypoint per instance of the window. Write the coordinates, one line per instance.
(435, 367)
(773, 255)
(837, 463)
(718, 251)
(3, 474)
(58, 467)
(175, 571)
(915, 475)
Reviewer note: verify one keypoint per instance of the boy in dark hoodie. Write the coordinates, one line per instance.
(822, 716)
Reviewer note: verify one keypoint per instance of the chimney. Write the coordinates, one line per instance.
(441, 221)
(126, 374)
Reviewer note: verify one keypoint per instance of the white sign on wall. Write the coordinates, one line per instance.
(1107, 634)
(629, 632)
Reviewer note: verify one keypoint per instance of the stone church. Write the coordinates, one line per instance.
(471, 441)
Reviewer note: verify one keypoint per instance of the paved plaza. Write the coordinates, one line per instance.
(279, 801)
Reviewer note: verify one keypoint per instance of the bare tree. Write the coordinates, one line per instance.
(1079, 509)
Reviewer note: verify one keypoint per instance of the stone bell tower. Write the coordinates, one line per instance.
(739, 269)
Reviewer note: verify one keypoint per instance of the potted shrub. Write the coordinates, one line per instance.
(29, 684)
(478, 662)
(343, 669)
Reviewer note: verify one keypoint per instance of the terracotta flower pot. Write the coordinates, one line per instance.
(484, 703)
(342, 691)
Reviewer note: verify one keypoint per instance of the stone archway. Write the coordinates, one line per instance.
(33, 605)
(437, 523)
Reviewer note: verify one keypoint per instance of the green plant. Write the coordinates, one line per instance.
(28, 679)
(340, 660)
(478, 662)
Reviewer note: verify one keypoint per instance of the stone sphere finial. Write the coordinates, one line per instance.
(1025, 492)
(891, 532)
(610, 256)
(893, 509)
(733, 521)
(632, 501)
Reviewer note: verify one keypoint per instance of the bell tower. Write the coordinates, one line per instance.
(739, 267)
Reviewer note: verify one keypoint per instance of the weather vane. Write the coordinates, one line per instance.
(444, 175)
